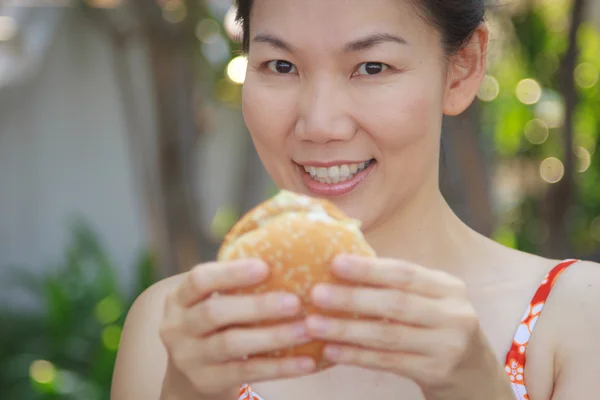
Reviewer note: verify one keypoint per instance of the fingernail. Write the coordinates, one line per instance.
(298, 331)
(256, 269)
(322, 294)
(288, 303)
(343, 263)
(305, 365)
(317, 324)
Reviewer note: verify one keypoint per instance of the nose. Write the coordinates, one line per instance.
(323, 114)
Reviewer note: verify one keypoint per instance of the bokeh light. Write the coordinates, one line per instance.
(529, 91)
(111, 337)
(174, 11)
(216, 49)
(232, 26)
(236, 70)
(489, 89)
(552, 170)
(587, 142)
(223, 220)
(42, 371)
(584, 159)
(108, 310)
(536, 131)
(551, 111)
(586, 75)
(207, 29)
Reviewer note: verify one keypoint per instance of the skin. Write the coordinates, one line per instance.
(454, 297)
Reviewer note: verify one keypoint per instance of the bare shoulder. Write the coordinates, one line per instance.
(576, 320)
(141, 360)
(577, 291)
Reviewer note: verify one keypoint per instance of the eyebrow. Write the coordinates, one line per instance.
(354, 46)
(372, 41)
(273, 41)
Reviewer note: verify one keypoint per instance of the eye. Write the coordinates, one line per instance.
(281, 67)
(371, 68)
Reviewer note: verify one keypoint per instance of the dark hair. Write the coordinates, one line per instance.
(456, 20)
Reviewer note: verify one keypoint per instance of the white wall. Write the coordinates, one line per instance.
(64, 153)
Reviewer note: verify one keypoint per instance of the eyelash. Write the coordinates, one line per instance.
(267, 65)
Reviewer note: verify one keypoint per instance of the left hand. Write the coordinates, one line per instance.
(418, 324)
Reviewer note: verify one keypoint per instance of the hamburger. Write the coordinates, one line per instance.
(298, 237)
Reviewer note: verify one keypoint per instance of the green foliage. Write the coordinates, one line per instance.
(66, 349)
(537, 44)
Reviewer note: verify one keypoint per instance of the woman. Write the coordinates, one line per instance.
(332, 83)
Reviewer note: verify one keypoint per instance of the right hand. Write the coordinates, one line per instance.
(206, 346)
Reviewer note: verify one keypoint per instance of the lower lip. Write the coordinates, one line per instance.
(335, 189)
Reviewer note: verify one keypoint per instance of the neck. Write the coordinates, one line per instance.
(427, 232)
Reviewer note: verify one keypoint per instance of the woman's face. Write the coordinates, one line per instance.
(344, 100)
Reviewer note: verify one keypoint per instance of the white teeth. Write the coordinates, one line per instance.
(336, 173)
(344, 171)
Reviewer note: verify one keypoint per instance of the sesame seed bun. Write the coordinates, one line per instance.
(298, 237)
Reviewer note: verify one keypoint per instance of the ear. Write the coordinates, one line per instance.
(466, 70)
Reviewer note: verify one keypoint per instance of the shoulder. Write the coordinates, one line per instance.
(578, 289)
(576, 321)
(141, 360)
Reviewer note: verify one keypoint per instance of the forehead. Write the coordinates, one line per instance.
(326, 23)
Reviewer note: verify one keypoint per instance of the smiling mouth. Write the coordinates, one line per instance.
(337, 173)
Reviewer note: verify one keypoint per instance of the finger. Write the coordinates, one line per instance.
(221, 311)
(376, 335)
(207, 278)
(236, 344)
(397, 274)
(257, 370)
(411, 366)
(390, 304)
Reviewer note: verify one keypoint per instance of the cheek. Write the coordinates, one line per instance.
(268, 114)
(403, 115)
(269, 117)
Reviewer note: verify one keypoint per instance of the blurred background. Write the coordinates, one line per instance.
(124, 159)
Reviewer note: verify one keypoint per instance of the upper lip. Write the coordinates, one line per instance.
(326, 164)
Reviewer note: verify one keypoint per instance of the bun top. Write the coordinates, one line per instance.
(293, 215)
(298, 237)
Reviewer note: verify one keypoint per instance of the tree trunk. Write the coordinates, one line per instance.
(560, 196)
(465, 171)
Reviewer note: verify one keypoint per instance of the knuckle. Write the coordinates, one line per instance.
(266, 303)
(348, 298)
(197, 278)
(458, 286)
(211, 312)
(224, 344)
(388, 336)
(387, 359)
(247, 371)
(281, 336)
(466, 318)
(399, 305)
